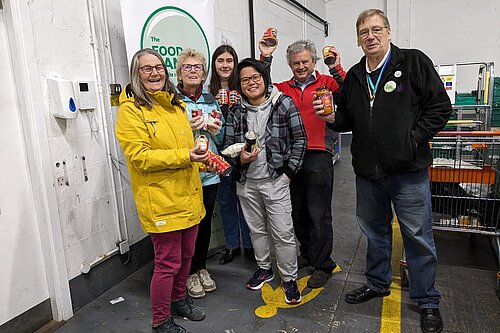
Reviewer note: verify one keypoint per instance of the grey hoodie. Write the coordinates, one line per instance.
(257, 119)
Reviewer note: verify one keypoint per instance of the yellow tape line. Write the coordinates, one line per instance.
(391, 305)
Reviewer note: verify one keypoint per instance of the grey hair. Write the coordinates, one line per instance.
(190, 53)
(365, 14)
(141, 96)
(299, 46)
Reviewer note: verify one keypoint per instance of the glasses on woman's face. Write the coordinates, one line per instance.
(189, 67)
(376, 31)
(246, 80)
(149, 69)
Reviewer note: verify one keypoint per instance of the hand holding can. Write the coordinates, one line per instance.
(270, 36)
(196, 120)
(329, 55)
(219, 163)
(214, 115)
(202, 143)
(250, 141)
(326, 97)
(234, 97)
(222, 96)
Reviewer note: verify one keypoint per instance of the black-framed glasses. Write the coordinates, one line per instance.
(376, 31)
(246, 80)
(149, 69)
(189, 67)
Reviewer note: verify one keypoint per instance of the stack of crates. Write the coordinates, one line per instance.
(465, 99)
(495, 111)
(461, 99)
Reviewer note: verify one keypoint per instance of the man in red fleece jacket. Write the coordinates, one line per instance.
(312, 188)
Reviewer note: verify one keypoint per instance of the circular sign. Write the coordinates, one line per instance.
(169, 30)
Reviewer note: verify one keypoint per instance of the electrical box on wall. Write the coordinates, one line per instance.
(63, 97)
(86, 95)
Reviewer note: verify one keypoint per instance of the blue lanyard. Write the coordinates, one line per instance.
(373, 88)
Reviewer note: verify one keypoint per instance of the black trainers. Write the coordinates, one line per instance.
(186, 308)
(292, 293)
(260, 277)
(170, 326)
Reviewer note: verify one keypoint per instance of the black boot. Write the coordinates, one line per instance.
(250, 254)
(229, 255)
(430, 320)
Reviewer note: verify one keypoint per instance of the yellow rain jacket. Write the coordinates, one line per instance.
(165, 183)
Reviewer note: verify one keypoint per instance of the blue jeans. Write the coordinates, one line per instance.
(411, 197)
(233, 220)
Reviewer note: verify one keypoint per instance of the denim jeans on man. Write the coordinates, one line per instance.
(411, 198)
(233, 220)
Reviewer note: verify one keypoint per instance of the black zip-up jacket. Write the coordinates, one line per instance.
(410, 107)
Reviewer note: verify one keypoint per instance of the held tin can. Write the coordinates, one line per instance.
(326, 97)
(234, 97)
(270, 36)
(328, 56)
(251, 141)
(214, 115)
(202, 143)
(222, 96)
(221, 166)
(196, 113)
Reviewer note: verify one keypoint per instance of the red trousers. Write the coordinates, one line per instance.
(173, 253)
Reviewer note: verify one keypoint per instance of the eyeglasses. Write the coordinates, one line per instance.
(246, 80)
(376, 31)
(149, 69)
(189, 67)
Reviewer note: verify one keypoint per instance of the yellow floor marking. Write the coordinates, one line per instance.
(275, 299)
(391, 305)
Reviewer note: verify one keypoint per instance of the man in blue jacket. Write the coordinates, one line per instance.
(394, 102)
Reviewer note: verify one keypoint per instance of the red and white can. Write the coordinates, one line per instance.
(223, 96)
(234, 97)
(270, 36)
(196, 113)
(221, 166)
(202, 143)
(214, 115)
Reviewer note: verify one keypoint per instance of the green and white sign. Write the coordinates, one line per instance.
(169, 27)
(157, 34)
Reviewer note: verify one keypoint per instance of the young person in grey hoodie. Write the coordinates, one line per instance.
(264, 173)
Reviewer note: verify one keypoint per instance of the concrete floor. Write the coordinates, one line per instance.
(466, 279)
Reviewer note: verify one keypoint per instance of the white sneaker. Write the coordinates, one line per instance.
(206, 281)
(194, 287)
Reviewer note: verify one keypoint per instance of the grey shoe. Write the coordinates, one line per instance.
(170, 326)
(206, 280)
(194, 286)
(186, 308)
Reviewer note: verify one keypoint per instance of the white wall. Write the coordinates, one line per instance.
(22, 281)
(86, 208)
(448, 31)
